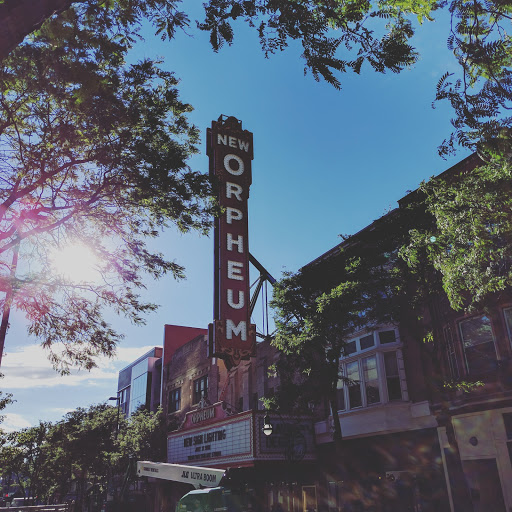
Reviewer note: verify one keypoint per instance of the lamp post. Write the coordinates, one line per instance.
(112, 498)
(116, 398)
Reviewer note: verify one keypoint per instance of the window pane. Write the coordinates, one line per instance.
(391, 364)
(367, 341)
(387, 336)
(482, 358)
(478, 343)
(371, 380)
(340, 395)
(200, 389)
(354, 388)
(394, 390)
(392, 376)
(476, 331)
(350, 348)
(175, 400)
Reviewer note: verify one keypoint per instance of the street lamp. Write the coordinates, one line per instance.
(117, 399)
(267, 426)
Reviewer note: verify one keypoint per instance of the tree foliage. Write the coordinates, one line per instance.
(468, 240)
(448, 245)
(23, 458)
(93, 150)
(85, 450)
(339, 36)
(5, 400)
(359, 285)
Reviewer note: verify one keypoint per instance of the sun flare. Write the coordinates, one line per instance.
(77, 263)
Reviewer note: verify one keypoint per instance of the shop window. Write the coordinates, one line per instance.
(174, 403)
(200, 389)
(478, 342)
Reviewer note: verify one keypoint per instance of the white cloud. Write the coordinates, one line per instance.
(14, 422)
(29, 367)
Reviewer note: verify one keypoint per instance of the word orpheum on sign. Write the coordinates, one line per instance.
(230, 150)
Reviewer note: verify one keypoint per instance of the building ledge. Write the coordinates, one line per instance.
(382, 419)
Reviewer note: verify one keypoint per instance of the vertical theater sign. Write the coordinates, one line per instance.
(230, 150)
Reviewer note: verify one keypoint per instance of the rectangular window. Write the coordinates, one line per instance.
(367, 341)
(350, 348)
(200, 389)
(392, 376)
(174, 400)
(371, 380)
(255, 401)
(387, 336)
(478, 343)
(354, 385)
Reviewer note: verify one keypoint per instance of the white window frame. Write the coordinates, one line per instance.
(378, 350)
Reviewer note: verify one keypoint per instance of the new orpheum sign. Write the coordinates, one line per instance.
(230, 150)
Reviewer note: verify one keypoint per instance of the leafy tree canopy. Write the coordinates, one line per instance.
(93, 151)
(358, 285)
(339, 36)
(468, 240)
(87, 447)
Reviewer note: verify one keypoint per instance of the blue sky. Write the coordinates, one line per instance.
(326, 162)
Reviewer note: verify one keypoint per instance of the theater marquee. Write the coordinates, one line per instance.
(215, 437)
(230, 149)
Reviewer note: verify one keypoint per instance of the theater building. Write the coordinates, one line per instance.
(216, 419)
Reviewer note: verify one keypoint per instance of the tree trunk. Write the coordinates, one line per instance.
(18, 18)
(9, 295)
(337, 435)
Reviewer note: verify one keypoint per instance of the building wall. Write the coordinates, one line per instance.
(138, 383)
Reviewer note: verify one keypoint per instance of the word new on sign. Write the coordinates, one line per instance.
(231, 337)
